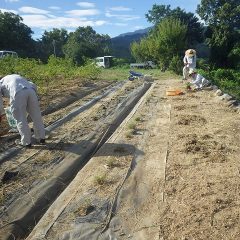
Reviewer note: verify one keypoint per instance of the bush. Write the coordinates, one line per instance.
(45, 74)
(176, 65)
(226, 79)
(88, 71)
(203, 64)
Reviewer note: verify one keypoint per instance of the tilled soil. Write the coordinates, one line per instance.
(170, 171)
(36, 165)
(50, 102)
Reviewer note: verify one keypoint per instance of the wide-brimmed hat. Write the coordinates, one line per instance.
(190, 52)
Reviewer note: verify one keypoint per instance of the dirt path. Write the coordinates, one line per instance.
(170, 171)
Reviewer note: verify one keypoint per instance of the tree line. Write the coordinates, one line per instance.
(176, 30)
(83, 43)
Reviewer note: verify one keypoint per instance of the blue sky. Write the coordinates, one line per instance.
(111, 17)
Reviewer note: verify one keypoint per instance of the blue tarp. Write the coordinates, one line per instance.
(136, 74)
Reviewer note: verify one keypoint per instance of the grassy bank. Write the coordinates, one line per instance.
(60, 73)
(227, 80)
(56, 72)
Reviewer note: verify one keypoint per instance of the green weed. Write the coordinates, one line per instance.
(138, 119)
(100, 179)
(111, 162)
(132, 125)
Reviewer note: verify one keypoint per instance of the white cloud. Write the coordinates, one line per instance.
(100, 22)
(85, 12)
(11, 0)
(54, 8)
(122, 17)
(120, 8)
(86, 4)
(33, 10)
(45, 22)
(8, 10)
(121, 24)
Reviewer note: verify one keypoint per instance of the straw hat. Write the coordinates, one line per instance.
(190, 52)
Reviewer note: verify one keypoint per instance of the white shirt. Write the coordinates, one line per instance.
(10, 85)
(199, 81)
(190, 61)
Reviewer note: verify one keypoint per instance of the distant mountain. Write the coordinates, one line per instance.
(139, 31)
(121, 43)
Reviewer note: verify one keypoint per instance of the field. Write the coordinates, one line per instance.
(125, 161)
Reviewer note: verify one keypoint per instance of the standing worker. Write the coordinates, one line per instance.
(189, 60)
(23, 100)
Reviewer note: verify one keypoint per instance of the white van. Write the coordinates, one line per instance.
(8, 53)
(104, 62)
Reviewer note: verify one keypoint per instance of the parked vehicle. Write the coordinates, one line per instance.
(147, 64)
(5, 53)
(104, 62)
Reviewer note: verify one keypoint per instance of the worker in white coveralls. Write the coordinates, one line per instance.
(23, 100)
(189, 60)
(198, 80)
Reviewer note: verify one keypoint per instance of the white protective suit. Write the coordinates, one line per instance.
(23, 100)
(189, 62)
(199, 81)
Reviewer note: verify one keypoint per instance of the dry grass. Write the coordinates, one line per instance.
(84, 208)
(129, 134)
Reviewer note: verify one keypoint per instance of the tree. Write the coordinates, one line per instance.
(194, 27)
(14, 35)
(164, 43)
(223, 20)
(168, 40)
(141, 51)
(52, 43)
(85, 42)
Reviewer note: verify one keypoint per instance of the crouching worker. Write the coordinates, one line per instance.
(23, 100)
(198, 80)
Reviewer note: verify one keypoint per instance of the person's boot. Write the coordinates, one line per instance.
(42, 141)
(19, 143)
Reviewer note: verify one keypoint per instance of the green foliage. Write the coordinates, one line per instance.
(176, 65)
(46, 75)
(52, 43)
(14, 35)
(141, 51)
(89, 71)
(234, 56)
(194, 28)
(100, 179)
(59, 67)
(226, 79)
(121, 62)
(203, 64)
(223, 34)
(85, 42)
(8, 65)
(166, 41)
